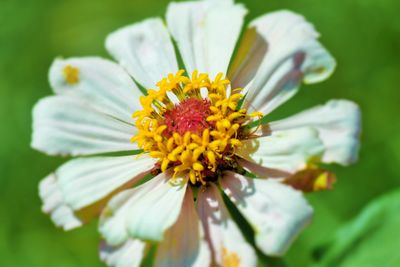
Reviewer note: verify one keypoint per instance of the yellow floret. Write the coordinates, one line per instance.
(192, 153)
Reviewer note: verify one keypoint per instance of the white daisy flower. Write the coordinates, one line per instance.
(198, 133)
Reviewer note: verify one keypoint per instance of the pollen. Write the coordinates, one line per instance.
(197, 135)
(71, 74)
(324, 181)
(230, 259)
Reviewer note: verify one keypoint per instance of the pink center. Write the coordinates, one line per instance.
(189, 115)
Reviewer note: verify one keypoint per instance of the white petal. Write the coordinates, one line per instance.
(79, 189)
(338, 123)
(261, 171)
(250, 54)
(144, 212)
(85, 181)
(293, 55)
(184, 243)
(288, 151)
(227, 242)
(276, 212)
(129, 254)
(145, 50)
(68, 126)
(206, 33)
(101, 83)
(53, 203)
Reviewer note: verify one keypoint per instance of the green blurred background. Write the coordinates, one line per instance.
(357, 224)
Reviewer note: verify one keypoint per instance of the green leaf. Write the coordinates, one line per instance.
(371, 239)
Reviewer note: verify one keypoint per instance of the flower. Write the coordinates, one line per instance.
(197, 134)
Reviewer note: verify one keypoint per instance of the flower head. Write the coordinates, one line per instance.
(196, 133)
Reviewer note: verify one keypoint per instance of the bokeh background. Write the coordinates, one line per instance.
(356, 224)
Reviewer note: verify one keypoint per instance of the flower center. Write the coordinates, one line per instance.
(198, 135)
(189, 116)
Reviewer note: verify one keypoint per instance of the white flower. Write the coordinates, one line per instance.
(195, 136)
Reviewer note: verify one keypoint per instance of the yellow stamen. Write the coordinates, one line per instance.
(71, 74)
